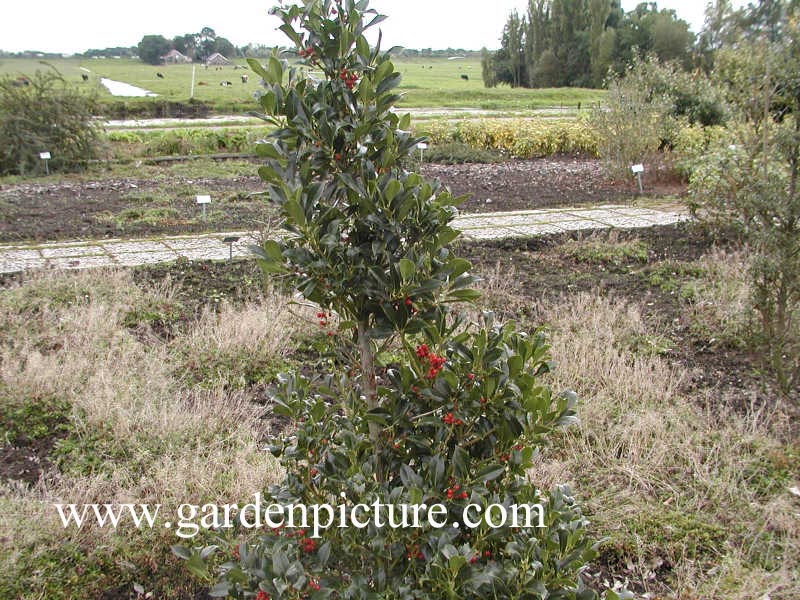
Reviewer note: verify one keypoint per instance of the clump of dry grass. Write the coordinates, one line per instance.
(225, 344)
(720, 304)
(682, 484)
(137, 433)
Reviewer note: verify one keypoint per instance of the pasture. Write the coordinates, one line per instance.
(427, 82)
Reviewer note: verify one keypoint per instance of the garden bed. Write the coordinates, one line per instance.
(150, 200)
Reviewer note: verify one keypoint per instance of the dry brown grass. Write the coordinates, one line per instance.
(691, 489)
(674, 481)
(157, 440)
(720, 307)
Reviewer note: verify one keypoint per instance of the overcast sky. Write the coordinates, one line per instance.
(77, 25)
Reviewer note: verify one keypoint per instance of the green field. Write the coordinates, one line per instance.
(429, 83)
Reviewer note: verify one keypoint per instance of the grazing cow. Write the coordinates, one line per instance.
(160, 75)
(21, 81)
(465, 77)
(244, 78)
(85, 76)
(201, 83)
(225, 83)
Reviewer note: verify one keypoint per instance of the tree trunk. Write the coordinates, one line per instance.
(370, 390)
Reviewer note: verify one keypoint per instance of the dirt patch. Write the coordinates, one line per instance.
(136, 207)
(26, 459)
(538, 268)
(539, 183)
(114, 208)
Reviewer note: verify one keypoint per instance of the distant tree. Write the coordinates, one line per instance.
(185, 44)
(487, 72)
(671, 38)
(514, 41)
(152, 48)
(548, 70)
(577, 42)
(205, 42)
(121, 51)
(224, 47)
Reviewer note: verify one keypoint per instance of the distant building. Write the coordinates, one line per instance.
(173, 57)
(217, 60)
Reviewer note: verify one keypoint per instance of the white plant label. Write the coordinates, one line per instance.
(44, 155)
(204, 199)
(638, 168)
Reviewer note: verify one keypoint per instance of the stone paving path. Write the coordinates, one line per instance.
(484, 226)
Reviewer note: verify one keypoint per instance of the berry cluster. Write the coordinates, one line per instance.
(414, 552)
(307, 544)
(262, 595)
(435, 362)
(322, 319)
(450, 419)
(505, 457)
(350, 79)
(477, 557)
(307, 52)
(409, 304)
(453, 492)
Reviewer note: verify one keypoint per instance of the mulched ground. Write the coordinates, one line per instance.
(93, 209)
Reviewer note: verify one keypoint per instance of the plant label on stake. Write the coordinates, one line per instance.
(638, 170)
(202, 201)
(422, 147)
(45, 156)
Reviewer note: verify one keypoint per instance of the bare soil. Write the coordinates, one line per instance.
(106, 208)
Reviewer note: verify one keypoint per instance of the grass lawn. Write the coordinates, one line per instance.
(426, 83)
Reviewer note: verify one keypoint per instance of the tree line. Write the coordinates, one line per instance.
(196, 46)
(578, 42)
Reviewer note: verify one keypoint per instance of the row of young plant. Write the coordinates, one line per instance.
(679, 142)
(458, 412)
(516, 137)
(512, 138)
(181, 142)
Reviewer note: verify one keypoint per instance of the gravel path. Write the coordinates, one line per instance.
(476, 226)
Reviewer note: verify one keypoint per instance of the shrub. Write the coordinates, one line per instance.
(631, 126)
(748, 183)
(44, 113)
(427, 408)
(648, 108)
(529, 138)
